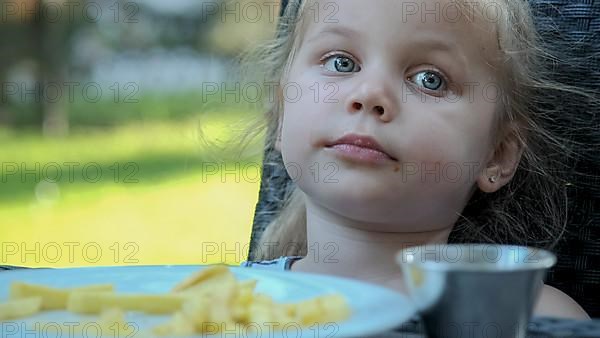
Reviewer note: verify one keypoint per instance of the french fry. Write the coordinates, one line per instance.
(212, 300)
(326, 308)
(215, 281)
(24, 307)
(212, 272)
(85, 302)
(52, 298)
(335, 308)
(112, 320)
(243, 300)
(196, 311)
(179, 325)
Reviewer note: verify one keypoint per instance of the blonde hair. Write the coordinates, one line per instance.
(514, 214)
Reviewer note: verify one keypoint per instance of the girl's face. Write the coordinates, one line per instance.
(412, 76)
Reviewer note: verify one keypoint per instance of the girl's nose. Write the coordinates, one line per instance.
(373, 98)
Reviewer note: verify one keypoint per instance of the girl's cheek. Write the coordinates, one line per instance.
(437, 160)
(426, 140)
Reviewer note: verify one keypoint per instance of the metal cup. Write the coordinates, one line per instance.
(474, 290)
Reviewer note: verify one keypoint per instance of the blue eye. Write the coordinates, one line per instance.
(431, 80)
(340, 63)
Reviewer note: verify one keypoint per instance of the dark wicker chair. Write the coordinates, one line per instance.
(577, 272)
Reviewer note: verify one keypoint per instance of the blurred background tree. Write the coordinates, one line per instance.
(255, 23)
(54, 48)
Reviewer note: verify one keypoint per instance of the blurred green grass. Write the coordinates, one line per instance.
(167, 211)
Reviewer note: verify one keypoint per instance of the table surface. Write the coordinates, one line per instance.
(538, 326)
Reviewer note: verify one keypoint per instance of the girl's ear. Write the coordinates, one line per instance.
(502, 166)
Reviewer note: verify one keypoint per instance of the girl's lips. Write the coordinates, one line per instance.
(363, 148)
(360, 154)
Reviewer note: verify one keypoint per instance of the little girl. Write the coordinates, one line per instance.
(407, 123)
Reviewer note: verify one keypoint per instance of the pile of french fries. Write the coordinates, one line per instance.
(210, 296)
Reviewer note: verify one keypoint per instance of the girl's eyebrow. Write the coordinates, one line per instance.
(336, 30)
(436, 44)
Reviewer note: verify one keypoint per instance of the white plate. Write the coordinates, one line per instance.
(375, 309)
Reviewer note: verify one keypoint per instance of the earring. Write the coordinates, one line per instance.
(492, 179)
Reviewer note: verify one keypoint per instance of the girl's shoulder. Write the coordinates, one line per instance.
(555, 303)
(281, 263)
